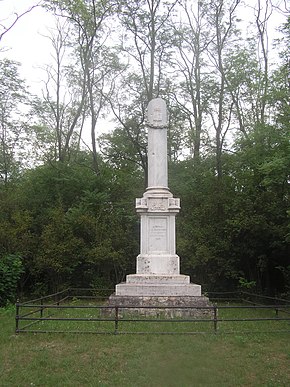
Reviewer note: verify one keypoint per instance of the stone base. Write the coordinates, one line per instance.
(158, 285)
(163, 290)
(157, 306)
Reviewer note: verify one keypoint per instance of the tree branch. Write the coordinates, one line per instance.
(17, 17)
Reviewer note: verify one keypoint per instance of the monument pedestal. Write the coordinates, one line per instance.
(158, 282)
(160, 295)
(161, 306)
(157, 285)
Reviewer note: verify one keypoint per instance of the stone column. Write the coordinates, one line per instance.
(157, 208)
(157, 268)
(157, 145)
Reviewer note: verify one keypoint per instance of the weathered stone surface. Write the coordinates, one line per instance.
(157, 144)
(157, 264)
(157, 113)
(158, 289)
(155, 306)
(157, 203)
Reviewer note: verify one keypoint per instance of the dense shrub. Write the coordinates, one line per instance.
(10, 271)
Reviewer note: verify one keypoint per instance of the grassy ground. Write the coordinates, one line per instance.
(257, 359)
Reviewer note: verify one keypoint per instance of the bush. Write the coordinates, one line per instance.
(10, 271)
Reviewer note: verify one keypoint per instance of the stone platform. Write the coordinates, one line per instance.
(160, 295)
(161, 306)
(158, 285)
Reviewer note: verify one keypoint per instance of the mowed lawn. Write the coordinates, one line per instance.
(236, 359)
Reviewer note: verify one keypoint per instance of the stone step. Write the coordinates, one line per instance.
(131, 289)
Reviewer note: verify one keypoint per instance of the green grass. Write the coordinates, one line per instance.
(236, 359)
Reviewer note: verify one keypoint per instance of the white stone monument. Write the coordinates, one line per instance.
(157, 280)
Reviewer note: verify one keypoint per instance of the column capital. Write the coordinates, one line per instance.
(157, 117)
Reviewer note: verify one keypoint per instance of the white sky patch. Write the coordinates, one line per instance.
(25, 42)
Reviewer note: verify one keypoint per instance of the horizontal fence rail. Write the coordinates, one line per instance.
(66, 312)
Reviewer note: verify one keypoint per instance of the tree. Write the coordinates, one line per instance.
(262, 15)
(146, 41)
(191, 91)
(120, 149)
(98, 64)
(60, 111)
(222, 18)
(13, 128)
(71, 227)
(258, 222)
(280, 80)
(145, 45)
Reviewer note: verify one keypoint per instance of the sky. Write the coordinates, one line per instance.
(25, 42)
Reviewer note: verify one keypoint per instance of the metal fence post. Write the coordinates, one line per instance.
(41, 309)
(215, 320)
(116, 319)
(17, 317)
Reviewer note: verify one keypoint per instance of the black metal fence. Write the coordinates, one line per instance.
(86, 311)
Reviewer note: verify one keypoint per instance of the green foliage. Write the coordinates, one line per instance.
(73, 221)
(71, 226)
(237, 227)
(246, 285)
(10, 270)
